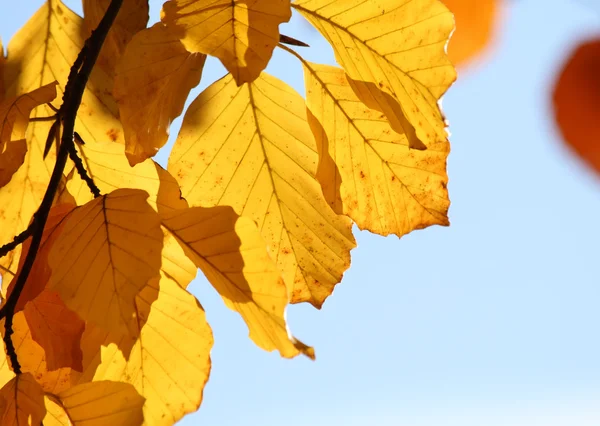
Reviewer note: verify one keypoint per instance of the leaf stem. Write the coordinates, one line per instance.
(78, 77)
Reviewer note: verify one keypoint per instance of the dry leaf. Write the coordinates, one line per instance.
(22, 402)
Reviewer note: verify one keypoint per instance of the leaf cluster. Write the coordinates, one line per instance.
(99, 242)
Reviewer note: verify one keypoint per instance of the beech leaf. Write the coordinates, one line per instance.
(22, 402)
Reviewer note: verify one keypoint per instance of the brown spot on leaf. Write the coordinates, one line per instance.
(113, 134)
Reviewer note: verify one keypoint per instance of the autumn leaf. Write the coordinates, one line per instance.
(107, 251)
(169, 362)
(40, 271)
(575, 101)
(154, 78)
(95, 404)
(14, 117)
(367, 170)
(110, 169)
(33, 360)
(22, 402)
(232, 150)
(57, 329)
(242, 34)
(40, 53)
(233, 256)
(398, 47)
(475, 21)
(132, 17)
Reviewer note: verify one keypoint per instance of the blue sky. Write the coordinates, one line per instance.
(492, 321)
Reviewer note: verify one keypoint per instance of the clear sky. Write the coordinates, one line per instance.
(490, 322)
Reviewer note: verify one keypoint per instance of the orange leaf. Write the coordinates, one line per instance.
(57, 329)
(40, 272)
(22, 402)
(475, 21)
(576, 102)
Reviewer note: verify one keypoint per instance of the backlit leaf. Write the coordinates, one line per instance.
(132, 17)
(106, 253)
(250, 147)
(111, 170)
(40, 53)
(242, 34)
(55, 414)
(575, 101)
(152, 83)
(57, 329)
(368, 171)
(14, 118)
(22, 402)
(233, 256)
(102, 403)
(33, 360)
(169, 363)
(399, 47)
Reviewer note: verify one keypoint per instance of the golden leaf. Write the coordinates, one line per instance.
(240, 33)
(108, 166)
(2, 61)
(14, 118)
(22, 402)
(233, 256)
(33, 360)
(132, 17)
(97, 404)
(233, 150)
(399, 47)
(107, 251)
(57, 329)
(367, 170)
(169, 362)
(42, 52)
(55, 414)
(152, 83)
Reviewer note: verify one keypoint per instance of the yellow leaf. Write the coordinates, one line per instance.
(2, 61)
(240, 33)
(132, 17)
(169, 363)
(107, 251)
(44, 51)
(22, 402)
(233, 149)
(40, 53)
(55, 414)
(100, 403)
(33, 360)
(110, 169)
(153, 80)
(233, 256)
(367, 170)
(399, 47)
(14, 118)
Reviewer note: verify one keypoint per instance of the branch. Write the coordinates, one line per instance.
(19, 239)
(83, 172)
(78, 77)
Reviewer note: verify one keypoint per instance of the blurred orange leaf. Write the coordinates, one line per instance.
(576, 101)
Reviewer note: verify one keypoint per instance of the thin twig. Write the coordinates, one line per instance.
(82, 172)
(78, 77)
(19, 239)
